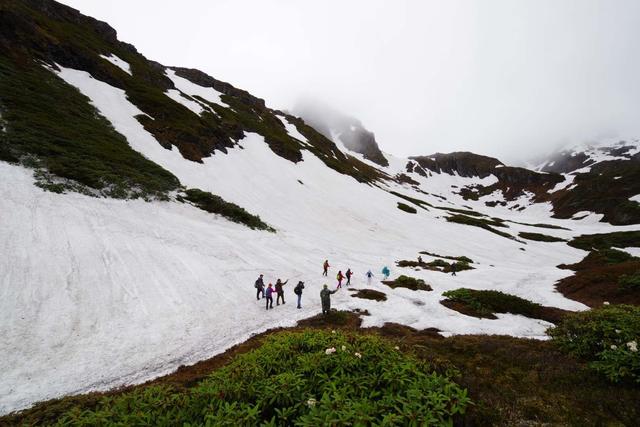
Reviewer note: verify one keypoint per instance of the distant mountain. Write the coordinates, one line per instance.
(341, 128)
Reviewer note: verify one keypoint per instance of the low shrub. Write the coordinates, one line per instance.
(608, 337)
(409, 283)
(614, 256)
(539, 237)
(629, 282)
(486, 303)
(304, 378)
(217, 205)
(370, 294)
(407, 208)
(487, 224)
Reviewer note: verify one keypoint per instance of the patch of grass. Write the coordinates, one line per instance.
(614, 256)
(629, 281)
(619, 239)
(550, 226)
(454, 258)
(54, 125)
(408, 283)
(487, 224)
(217, 205)
(417, 202)
(485, 303)
(407, 208)
(608, 337)
(370, 294)
(296, 378)
(539, 237)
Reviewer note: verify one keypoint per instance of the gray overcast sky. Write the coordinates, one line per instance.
(509, 78)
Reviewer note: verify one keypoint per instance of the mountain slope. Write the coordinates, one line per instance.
(117, 281)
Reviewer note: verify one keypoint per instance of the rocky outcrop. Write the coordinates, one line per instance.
(461, 163)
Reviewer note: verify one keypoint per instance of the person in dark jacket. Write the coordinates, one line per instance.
(280, 290)
(298, 291)
(325, 267)
(325, 297)
(348, 275)
(268, 294)
(259, 288)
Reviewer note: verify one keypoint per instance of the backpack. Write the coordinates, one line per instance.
(297, 290)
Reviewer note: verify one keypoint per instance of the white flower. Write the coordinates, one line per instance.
(333, 332)
(344, 347)
(330, 350)
(397, 348)
(613, 347)
(606, 303)
(311, 402)
(358, 355)
(618, 331)
(633, 346)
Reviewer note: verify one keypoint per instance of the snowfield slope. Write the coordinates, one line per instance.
(107, 281)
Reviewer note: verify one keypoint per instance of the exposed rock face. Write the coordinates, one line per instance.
(462, 163)
(341, 128)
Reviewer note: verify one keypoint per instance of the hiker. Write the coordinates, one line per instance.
(386, 272)
(280, 291)
(259, 285)
(269, 295)
(325, 297)
(339, 277)
(369, 276)
(298, 291)
(453, 269)
(348, 275)
(419, 259)
(325, 267)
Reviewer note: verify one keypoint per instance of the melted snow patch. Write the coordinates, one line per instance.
(633, 251)
(120, 63)
(635, 198)
(192, 89)
(191, 105)
(568, 180)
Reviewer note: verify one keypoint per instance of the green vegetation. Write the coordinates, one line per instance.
(406, 208)
(614, 256)
(304, 378)
(629, 282)
(70, 139)
(454, 258)
(409, 283)
(550, 226)
(619, 239)
(607, 337)
(486, 224)
(217, 205)
(486, 303)
(370, 294)
(539, 237)
(417, 202)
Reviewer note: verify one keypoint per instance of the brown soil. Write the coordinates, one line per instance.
(596, 281)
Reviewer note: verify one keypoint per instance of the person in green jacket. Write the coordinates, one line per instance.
(325, 297)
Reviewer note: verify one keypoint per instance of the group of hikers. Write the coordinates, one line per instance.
(267, 292)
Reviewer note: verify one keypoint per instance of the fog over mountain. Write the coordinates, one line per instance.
(509, 79)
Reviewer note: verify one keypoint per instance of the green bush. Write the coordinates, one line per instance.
(407, 208)
(539, 237)
(216, 204)
(409, 283)
(629, 282)
(487, 302)
(608, 337)
(487, 224)
(306, 378)
(614, 256)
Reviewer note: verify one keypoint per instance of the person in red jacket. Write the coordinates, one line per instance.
(325, 267)
(340, 276)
